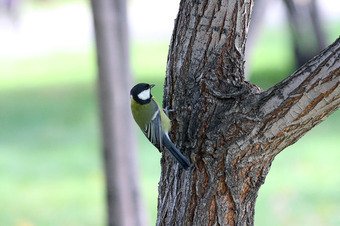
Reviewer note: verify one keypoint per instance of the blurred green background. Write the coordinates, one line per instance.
(51, 169)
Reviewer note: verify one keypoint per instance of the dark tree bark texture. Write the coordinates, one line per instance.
(230, 128)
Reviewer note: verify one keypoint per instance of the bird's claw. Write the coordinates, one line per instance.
(167, 110)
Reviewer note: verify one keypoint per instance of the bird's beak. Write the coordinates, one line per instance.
(151, 86)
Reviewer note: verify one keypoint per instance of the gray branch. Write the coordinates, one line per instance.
(301, 101)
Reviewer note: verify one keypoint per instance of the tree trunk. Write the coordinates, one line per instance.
(123, 197)
(255, 29)
(305, 27)
(230, 128)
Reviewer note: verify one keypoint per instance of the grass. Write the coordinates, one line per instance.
(60, 68)
(50, 160)
(302, 187)
(50, 163)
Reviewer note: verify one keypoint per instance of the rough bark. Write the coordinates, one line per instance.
(230, 128)
(123, 197)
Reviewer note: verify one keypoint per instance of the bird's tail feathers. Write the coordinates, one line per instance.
(181, 159)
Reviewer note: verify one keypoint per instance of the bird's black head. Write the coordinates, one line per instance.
(141, 93)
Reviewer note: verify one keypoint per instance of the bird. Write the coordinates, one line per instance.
(153, 121)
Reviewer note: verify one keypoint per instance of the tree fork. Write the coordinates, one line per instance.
(230, 128)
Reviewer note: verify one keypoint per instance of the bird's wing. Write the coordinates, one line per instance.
(153, 130)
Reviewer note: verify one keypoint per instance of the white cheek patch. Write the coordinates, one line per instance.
(145, 95)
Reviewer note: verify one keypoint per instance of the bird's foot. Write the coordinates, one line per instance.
(167, 110)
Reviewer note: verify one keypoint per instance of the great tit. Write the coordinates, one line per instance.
(152, 120)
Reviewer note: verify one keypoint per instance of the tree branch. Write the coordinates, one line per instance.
(301, 101)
